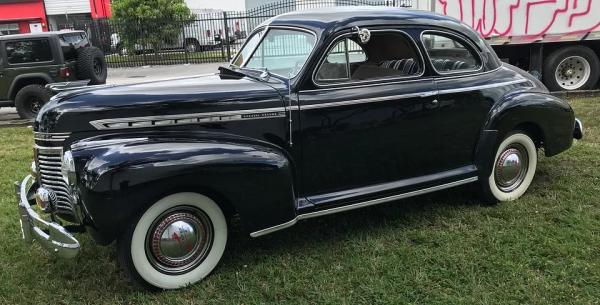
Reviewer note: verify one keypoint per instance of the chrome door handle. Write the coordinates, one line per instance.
(434, 102)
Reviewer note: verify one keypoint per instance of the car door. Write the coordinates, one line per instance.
(369, 118)
(463, 87)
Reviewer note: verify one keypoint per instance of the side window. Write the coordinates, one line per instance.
(386, 55)
(448, 54)
(27, 51)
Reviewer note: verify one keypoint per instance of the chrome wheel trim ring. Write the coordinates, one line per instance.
(572, 72)
(511, 168)
(179, 240)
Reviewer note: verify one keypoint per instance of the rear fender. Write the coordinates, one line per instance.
(551, 116)
(120, 175)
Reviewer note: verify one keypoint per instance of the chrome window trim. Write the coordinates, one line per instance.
(466, 40)
(207, 118)
(361, 205)
(267, 28)
(411, 77)
(410, 95)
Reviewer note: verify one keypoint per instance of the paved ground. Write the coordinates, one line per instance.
(120, 76)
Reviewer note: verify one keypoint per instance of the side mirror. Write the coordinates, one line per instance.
(364, 35)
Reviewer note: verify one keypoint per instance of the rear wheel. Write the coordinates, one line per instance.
(572, 68)
(513, 169)
(192, 46)
(176, 242)
(30, 99)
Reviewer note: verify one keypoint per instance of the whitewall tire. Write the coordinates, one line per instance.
(513, 169)
(176, 242)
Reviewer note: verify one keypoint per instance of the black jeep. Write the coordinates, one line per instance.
(28, 62)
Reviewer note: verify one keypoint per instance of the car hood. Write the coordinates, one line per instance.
(73, 110)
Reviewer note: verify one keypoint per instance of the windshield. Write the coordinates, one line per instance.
(281, 52)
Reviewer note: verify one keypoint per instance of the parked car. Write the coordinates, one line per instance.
(317, 114)
(28, 62)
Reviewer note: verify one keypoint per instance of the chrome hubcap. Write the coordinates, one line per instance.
(511, 168)
(179, 240)
(572, 73)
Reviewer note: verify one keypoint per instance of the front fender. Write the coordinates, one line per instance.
(120, 175)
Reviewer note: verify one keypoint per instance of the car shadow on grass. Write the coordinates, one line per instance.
(306, 238)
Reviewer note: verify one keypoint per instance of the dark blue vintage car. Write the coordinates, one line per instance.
(320, 112)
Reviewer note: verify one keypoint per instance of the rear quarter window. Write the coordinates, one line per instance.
(28, 51)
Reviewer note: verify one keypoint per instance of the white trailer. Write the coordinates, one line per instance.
(556, 40)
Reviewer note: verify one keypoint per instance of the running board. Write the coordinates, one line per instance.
(360, 205)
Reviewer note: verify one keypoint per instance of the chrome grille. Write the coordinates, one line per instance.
(48, 162)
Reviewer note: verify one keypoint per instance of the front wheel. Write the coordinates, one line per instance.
(513, 170)
(178, 241)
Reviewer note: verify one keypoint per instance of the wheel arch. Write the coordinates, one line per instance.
(27, 79)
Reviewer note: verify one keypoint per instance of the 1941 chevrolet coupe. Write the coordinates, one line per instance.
(319, 112)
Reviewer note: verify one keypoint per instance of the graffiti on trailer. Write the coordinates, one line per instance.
(525, 17)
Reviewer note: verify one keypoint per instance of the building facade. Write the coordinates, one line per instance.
(26, 16)
(22, 16)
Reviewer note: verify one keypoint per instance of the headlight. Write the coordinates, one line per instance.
(68, 168)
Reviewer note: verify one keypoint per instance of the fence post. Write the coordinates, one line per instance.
(226, 29)
(183, 40)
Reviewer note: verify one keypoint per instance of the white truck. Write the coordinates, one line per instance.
(556, 40)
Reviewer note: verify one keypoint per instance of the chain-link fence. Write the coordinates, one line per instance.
(211, 37)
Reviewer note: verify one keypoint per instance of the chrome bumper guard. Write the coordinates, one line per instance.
(578, 131)
(49, 235)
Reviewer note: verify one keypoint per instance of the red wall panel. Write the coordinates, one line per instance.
(24, 12)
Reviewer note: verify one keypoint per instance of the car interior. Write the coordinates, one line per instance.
(385, 55)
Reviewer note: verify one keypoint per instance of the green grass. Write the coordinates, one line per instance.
(442, 248)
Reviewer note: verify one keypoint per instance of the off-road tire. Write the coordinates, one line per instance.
(27, 96)
(91, 65)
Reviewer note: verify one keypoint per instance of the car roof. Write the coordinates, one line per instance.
(327, 17)
(36, 35)
(331, 19)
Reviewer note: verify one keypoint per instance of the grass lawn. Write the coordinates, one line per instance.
(442, 248)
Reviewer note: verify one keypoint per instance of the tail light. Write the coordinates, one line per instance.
(64, 72)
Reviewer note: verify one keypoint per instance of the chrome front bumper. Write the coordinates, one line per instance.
(49, 235)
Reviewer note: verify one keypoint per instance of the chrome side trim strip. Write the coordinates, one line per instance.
(361, 205)
(480, 87)
(370, 100)
(192, 118)
(410, 95)
(47, 136)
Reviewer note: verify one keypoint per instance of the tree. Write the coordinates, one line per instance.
(149, 22)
